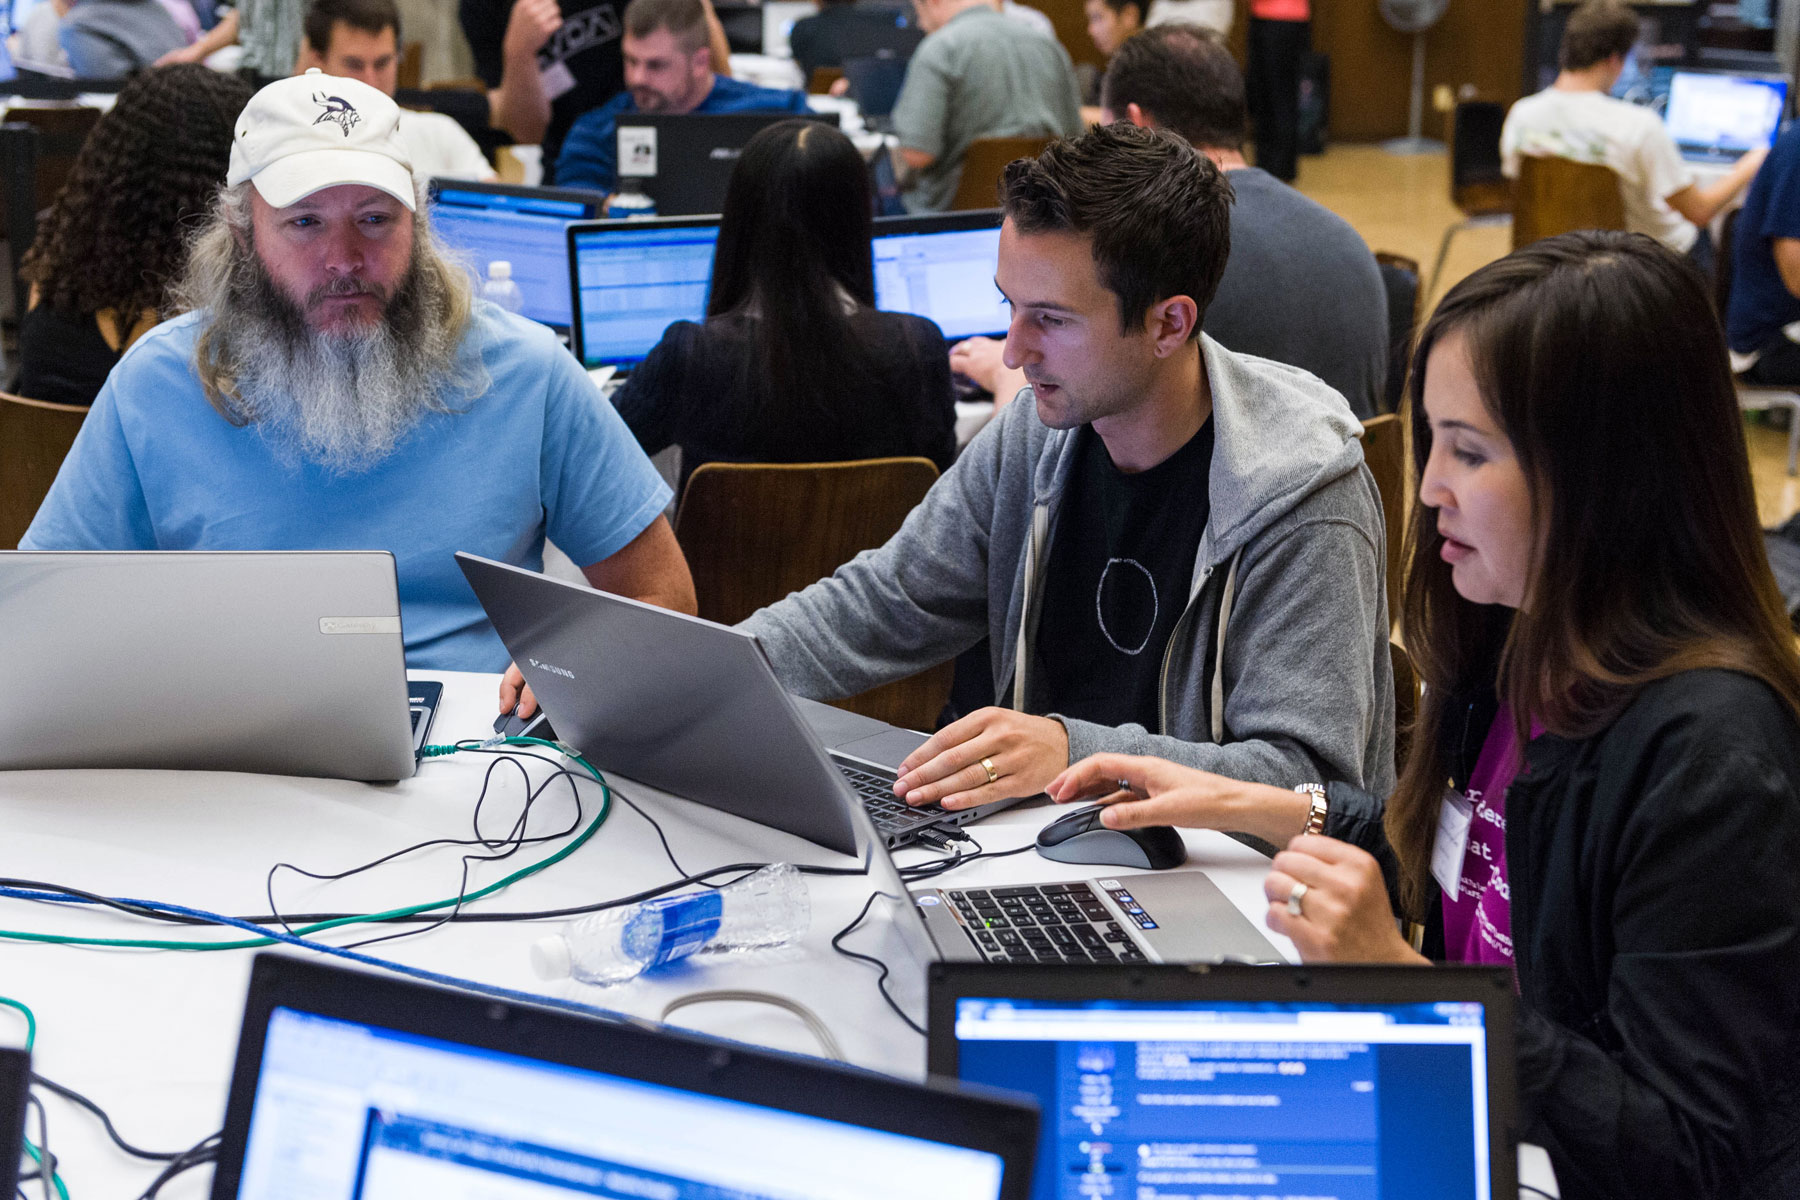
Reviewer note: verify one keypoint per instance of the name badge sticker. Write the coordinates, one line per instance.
(637, 150)
(1455, 815)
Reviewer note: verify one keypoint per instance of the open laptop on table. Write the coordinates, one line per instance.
(278, 663)
(520, 225)
(353, 1086)
(1355, 1083)
(630, 281)
(694, 709)
(942, 267)
(1716, 116)
(684, 160)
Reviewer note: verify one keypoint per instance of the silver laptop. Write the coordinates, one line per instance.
(694, 709)
(278, 663)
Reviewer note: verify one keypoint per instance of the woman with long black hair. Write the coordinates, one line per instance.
(793, 362)
(1612, 697)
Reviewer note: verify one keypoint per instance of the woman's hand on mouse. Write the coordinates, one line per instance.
(1141, 791)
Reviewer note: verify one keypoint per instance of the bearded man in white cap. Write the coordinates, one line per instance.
(337, 386)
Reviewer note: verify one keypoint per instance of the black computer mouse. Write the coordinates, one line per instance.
(1079, 837)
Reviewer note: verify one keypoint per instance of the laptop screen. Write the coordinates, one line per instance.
(1179, 1098)
(944, 274)
(344, 1109)
(1716, 116)
(634, 280)
(524, 229)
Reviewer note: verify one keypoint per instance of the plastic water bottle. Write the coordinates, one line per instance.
(500, 288)
(631, 202)
(764, 910)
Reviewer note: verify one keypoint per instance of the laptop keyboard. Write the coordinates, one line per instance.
(891, 815)
(1049, 923)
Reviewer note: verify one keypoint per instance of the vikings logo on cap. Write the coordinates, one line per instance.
(336, 110)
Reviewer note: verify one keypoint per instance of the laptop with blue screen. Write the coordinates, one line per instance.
(485, 222)
(942, 267)
(355, 1086)
(1353, 1083)
(1717, 116)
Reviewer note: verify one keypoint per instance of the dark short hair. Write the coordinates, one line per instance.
(1596, 31)
(370, 16)
(1185, 79)
(1158, 213)
(686, 19)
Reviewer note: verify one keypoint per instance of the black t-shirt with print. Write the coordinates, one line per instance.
(1121, 565)
(586, 50)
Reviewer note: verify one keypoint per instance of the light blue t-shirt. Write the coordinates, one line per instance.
(155, 467)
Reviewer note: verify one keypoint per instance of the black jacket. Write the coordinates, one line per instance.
(1655, 876)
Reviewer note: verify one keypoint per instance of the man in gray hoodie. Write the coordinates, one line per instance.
(1173, 549)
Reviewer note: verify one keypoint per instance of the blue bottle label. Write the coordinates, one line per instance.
(688, 923)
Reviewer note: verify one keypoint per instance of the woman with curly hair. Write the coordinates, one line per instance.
(117, 235)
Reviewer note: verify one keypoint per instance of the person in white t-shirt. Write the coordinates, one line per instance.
(360, 39)
(1576, 118)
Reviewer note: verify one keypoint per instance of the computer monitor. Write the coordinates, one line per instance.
(522, 225)
(1357, 1083)
(683, 160)
(362, 1087)
(942, 267)
(631, 280)
(1716, 116)
(15, 1086)
(778, 17)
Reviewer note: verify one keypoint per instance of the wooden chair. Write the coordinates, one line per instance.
(61, 131)
(1406, 702)
(985, 159)
(1384, 449)
(1400, 281)
(409, 72)
(822, 79)
(753, 532)
(1559, 195)
(35, 437)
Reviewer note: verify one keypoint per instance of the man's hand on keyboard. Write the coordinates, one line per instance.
(991, 754)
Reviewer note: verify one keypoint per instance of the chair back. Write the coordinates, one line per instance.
(35, 437)
(409, 72)
(61, 132)
(982, 165)
(822, 79)
(1406, 702)
(1560, 195)
(1477, 184)
(754, 532)
(1400, 279)
(1384, 449)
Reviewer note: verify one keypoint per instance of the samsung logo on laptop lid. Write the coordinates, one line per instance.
(544, 666)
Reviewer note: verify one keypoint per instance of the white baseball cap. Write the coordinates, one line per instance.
(314, 131)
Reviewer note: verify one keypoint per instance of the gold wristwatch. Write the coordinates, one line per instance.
(1315, 821)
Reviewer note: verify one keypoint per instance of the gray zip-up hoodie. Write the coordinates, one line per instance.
(1288, 592)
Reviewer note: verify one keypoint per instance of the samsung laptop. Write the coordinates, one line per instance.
(630, 281)
(1717, 116)
(693, 708)
(1356, 1083)
(524, 226)
(684, 160)
(278, 663)
(355, 1086)
(942, 267)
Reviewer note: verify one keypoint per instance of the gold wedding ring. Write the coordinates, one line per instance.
(987, 764)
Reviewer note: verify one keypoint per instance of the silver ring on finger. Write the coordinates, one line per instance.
(1294, 899)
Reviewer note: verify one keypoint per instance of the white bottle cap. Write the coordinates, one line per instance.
(500, 269)
(550, 957)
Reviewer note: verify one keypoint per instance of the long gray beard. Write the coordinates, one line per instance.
(341, 400)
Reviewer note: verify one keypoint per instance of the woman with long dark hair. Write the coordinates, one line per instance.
(116, 237)
(1613, 695)
(794, 363)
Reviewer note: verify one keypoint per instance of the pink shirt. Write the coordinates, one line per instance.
(1478, 923)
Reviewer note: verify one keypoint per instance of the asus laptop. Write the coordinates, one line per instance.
(355, 1086)
(277, 663)
(1358, 1083)
(694, 709)
(684, 160)
(524, 226)
(1716, 116)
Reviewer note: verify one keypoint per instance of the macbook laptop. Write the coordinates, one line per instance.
(631, 280)
(15, 1086)
(694, 709)
(354, 1086)
(684, 160)
(277, 663)
(1717, 116)
(942, 267)
(1357, 1083)
(524, 226)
